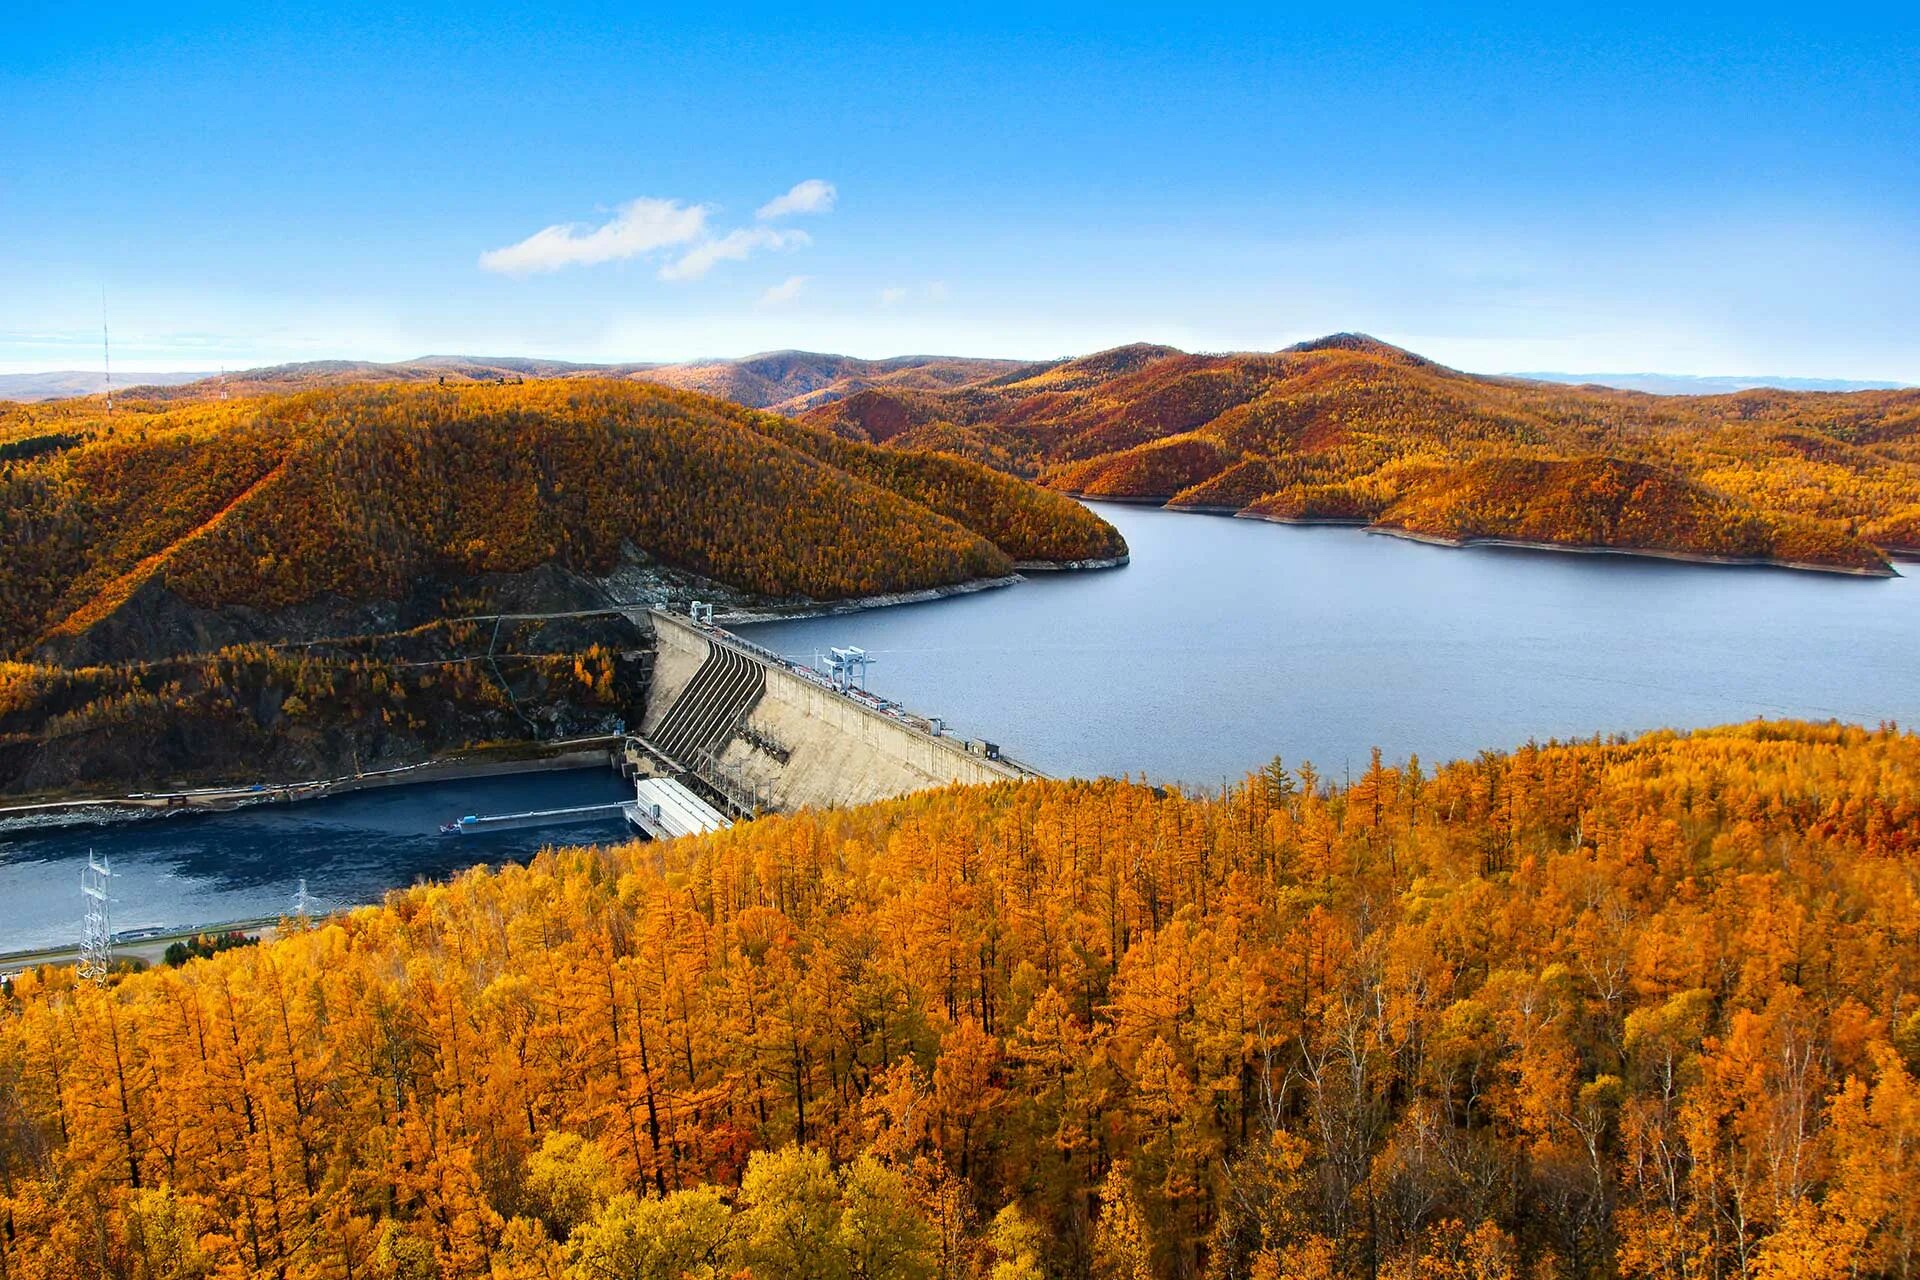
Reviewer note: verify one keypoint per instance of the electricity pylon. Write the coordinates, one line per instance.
(96, 937)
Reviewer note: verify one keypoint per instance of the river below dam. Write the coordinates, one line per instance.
(1224, 643)
(179, 871)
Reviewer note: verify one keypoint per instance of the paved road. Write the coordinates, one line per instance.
(151, 948)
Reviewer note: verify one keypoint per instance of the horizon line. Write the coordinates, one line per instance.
(191, 372)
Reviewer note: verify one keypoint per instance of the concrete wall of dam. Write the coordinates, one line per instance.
(804, 744)
(679, 649)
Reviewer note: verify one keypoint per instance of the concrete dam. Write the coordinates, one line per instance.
(767, 734)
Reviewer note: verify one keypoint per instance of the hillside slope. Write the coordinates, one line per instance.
(155, 556)
(1542, 1014)
(1350, 428)
(363, 494)
(1603, 502)
(253, 713)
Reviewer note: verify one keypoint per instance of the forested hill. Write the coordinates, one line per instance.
(364, 493)
(158, 562)
(1352, 429)
(1345, 428)
(1643, 1008)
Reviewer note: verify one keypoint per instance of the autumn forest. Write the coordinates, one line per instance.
(1627, 1008)
(1367, 727)
(1641, 1007)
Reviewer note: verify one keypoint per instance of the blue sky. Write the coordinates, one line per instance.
(1726, 191)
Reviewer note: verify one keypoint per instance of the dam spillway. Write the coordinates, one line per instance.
(752, 724)
(725, 687)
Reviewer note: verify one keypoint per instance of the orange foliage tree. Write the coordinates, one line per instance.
(1645, 1007)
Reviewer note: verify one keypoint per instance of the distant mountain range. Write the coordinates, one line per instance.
(789, 382)
(1686, 384)
(58, 384)
(1346, 428)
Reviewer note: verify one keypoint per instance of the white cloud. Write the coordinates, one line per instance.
(937, 291)
(641, 226)
(812, 196)
(650, 225)
(786, 291)
(734, 246)
(892, 296)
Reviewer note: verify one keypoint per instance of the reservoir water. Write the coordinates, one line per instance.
(1225, 643)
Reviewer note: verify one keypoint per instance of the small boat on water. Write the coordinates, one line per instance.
(450, 828)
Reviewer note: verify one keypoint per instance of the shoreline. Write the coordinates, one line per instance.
(1305, 522)
(859, 604)
(1524, 544)
(92, 811)
(1073, 566)
(1644, 553)
(1101, 497)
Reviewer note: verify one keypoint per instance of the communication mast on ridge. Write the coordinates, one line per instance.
(106, 348)
(96, 937)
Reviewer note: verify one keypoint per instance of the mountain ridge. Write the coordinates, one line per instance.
(61, 383)
(786, 380)
(1345, 426)
(1353, 429)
